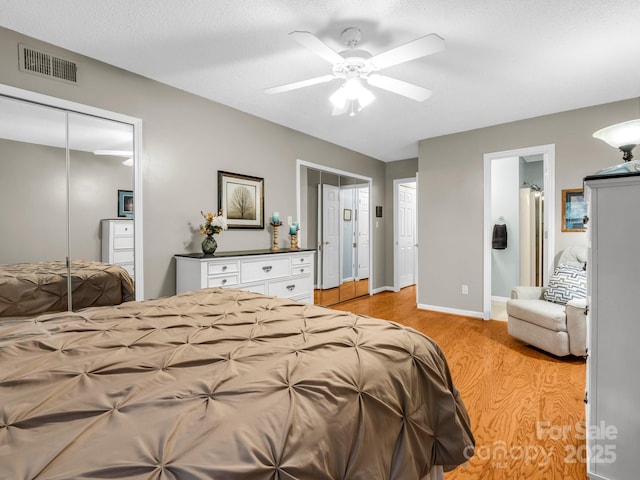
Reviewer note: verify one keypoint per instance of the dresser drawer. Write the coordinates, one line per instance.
(124, 256)
(215, 268)
(300, 270)
(291, 287)
(264, 269)
(222, 280)
(129, 268)
(301, 260)
(120, 243)
(123, 228)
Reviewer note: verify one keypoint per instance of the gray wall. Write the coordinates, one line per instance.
(186, 140)
(451, 192)
(33, 195)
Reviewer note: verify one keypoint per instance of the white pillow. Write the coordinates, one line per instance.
(568, 282)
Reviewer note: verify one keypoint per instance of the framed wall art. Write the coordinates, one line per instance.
(125, 203)
(241, 198)
(574, 209)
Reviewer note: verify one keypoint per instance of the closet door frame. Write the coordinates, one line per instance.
(49, 101)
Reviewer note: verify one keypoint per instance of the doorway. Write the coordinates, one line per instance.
(405, 241)
(510, 183)
(335, 205)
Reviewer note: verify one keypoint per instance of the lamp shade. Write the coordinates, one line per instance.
(351, 91)
(621, 134)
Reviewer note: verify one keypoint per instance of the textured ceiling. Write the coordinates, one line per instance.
(504, 60)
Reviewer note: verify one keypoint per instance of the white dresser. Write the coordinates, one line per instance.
(117, 243)
(283, 273)
(613, 327)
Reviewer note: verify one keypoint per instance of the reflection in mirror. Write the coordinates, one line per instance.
(55, 192)
(101, 233)
(335, 208)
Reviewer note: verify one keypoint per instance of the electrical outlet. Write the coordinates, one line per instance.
(465, 289)
(289, 221)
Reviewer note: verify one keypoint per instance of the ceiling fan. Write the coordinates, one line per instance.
(354, 66)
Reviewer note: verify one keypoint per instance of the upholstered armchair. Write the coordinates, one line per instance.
(558, 326)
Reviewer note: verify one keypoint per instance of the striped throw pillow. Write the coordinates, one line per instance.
(568, 282)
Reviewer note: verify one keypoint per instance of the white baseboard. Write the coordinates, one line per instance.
(454, 311)
(499, 299)
(381, 289)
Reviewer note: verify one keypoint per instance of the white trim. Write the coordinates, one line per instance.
(499, 299)
(60, 103)
(549, 166)
(381, 289)
(454, 311)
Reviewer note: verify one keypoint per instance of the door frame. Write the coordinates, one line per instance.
(60, 103)
(396, 227)
(548, 153)
(323, 168)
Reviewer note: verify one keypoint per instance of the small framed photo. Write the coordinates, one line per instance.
(574, 209)
(346, 214)
(241, 198)
(125, 203)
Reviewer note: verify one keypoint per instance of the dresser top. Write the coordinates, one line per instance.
(244, 253)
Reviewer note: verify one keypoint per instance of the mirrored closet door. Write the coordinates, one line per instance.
(335, 210)
(61, 173)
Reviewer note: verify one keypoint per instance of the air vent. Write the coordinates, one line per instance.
(47, 65)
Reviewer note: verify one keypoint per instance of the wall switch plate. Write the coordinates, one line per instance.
(465, 289)
(289, 221)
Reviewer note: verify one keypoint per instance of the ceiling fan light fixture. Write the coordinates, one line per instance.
(339, 98)
(348, 94)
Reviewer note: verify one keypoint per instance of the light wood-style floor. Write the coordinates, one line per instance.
(526, 407)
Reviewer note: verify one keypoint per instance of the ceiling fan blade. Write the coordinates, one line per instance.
(318, 47)
(300, 84)
(409, 90)
(420, 47)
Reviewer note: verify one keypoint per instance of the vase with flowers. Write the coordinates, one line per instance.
(212, 224)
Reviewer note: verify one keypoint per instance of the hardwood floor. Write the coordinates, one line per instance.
(526, 407)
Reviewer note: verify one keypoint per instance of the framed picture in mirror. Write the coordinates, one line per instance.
(125, 203)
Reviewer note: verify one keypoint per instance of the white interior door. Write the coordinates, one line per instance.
(364, 244)
(330, 236)
(406, 234)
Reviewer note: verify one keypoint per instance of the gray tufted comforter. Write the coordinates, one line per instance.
(224, 384)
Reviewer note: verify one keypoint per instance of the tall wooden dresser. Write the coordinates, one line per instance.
(613, 328)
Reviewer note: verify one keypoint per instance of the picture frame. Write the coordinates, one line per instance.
(346, 214)
(574, 209)
(241, 198)
(125, 203)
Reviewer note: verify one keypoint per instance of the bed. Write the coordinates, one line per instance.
(225, 384)
(28, 289)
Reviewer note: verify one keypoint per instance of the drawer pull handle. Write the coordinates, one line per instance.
(291, 287)
(302, 260)
(224, 280)
(267, 268)
(224, 267)
(302, 270)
